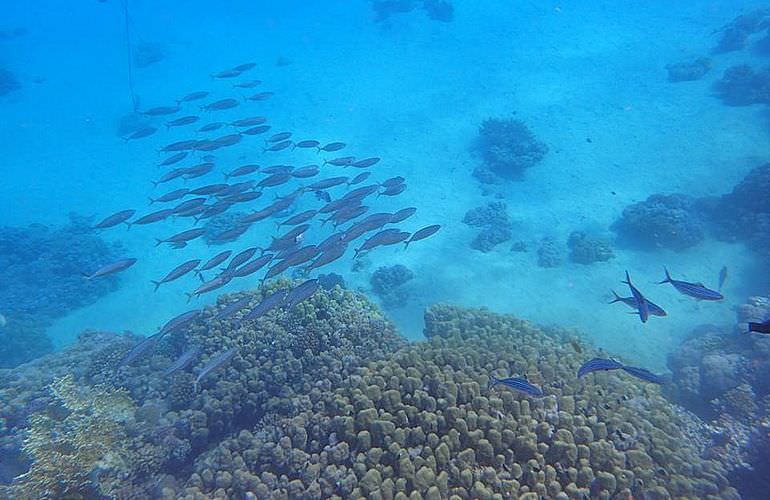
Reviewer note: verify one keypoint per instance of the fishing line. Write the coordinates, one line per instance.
(129, 55)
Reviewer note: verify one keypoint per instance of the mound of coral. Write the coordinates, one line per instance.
(508, 148)
(744, 213)
(494, 223)
(587, 249)
(661, 221)
(42, 271)
(326, 401)
(388, 284)
(724, 375)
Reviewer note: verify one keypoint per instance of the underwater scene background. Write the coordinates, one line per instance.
(384, 249)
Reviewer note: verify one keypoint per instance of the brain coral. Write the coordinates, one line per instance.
(421, 423)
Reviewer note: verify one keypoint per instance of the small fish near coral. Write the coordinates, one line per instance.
(520, 384)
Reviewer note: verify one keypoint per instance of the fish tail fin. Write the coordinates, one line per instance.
(157, 285)
(668, 276)
(189, 296)
(128, 225)
(406, 244)
(293, 146)
(168, 127)
(86, 276)
(617, 298)
(627, 281)
(151, 200)
(158, 242)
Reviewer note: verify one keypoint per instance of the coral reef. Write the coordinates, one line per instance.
(688, 71)
(8, 82)
(741, 85)
(507, 147)
(744, 213)
(548, 253)
(324, 400)
(21, 340)
(421, 423)
(387, 283)
(330, 280)
(42, 279)
(494, 223)
(586, 249)
(662, 221)
(724, 376)
(735, 35)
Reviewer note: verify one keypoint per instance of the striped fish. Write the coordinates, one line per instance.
(598, 364)
(696, 290)
(518, 383)
(654, 309)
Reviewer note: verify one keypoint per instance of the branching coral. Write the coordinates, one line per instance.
(74, 441)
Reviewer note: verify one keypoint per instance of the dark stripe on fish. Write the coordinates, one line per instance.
(517, 383)
(598, 364)
(696, 290)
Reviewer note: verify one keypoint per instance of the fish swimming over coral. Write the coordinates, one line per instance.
(517, 383)
(598, 364)
(213, 364)
(763, 327)
(695, 290)
(602, 364)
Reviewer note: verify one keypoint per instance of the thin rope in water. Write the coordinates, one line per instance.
(129, 56)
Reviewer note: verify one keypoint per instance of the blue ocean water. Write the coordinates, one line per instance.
(410, 83)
